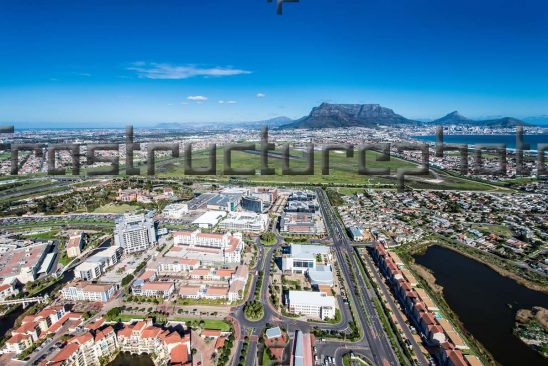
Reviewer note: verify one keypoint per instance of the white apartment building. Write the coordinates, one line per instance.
(97, 264)
(228, 246)
(313, 304)
(135, 232)
(153, 289)
(82, 291)
(166, 265)
(8, 289)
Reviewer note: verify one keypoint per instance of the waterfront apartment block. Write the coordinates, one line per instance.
(94, 266)
(422, 310)
(83, 291)
(34, 327)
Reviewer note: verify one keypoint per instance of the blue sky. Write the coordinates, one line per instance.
(113, 62)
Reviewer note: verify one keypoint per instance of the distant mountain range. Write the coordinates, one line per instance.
(455, 118)
(329, 115)
(374, 115)
(271, 123)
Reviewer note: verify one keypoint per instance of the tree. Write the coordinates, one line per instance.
(268, 238)
(127, 279)
(113, 314)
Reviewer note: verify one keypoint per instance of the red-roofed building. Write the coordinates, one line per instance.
(166, 347)
(75, 245)
(8, 289)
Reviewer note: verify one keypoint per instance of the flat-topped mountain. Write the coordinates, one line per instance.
(349, 115)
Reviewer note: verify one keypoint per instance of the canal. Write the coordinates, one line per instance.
(7, 321)
(125, 359)
(485, 302)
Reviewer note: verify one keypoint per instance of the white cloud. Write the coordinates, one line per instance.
(175, 72)
(227, 102)
(261, 95)
(197, 98)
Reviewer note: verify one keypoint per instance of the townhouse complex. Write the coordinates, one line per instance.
(422, 311)
(164, 346)
(37, 327)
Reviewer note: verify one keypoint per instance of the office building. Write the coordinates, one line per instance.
(301, 223)
(209, 220)
(175, 210)
(135, 232)
(312, 304)
(301, 258)
(245, 221)
(253, 204)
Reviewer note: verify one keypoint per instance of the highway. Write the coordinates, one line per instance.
(395, 310)
(374, 344)
(369, 321)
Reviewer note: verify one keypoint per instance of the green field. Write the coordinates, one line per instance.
(47, 235)
(114, 208)
(208, 323)
(343, 171)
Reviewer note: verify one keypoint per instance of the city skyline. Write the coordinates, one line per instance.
(106, 65)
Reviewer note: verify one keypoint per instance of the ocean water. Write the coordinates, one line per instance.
(508, 140)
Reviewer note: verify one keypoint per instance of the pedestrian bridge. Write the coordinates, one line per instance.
(25, 302)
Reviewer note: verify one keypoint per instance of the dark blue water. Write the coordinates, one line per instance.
(125, 359)
(509, 140)
(486, 303)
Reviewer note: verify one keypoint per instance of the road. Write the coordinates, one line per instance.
(374, 344)
(395, 310)
(368, 320)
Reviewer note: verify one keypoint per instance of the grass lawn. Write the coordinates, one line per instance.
(48, 235)
(266, 358)
(208, 323)
(499, 230)
(346, 360)
(129, 317)
(114, 209)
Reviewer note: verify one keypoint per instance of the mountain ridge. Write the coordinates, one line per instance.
(328, 115)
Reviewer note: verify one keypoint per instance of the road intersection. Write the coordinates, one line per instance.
(374, 344)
